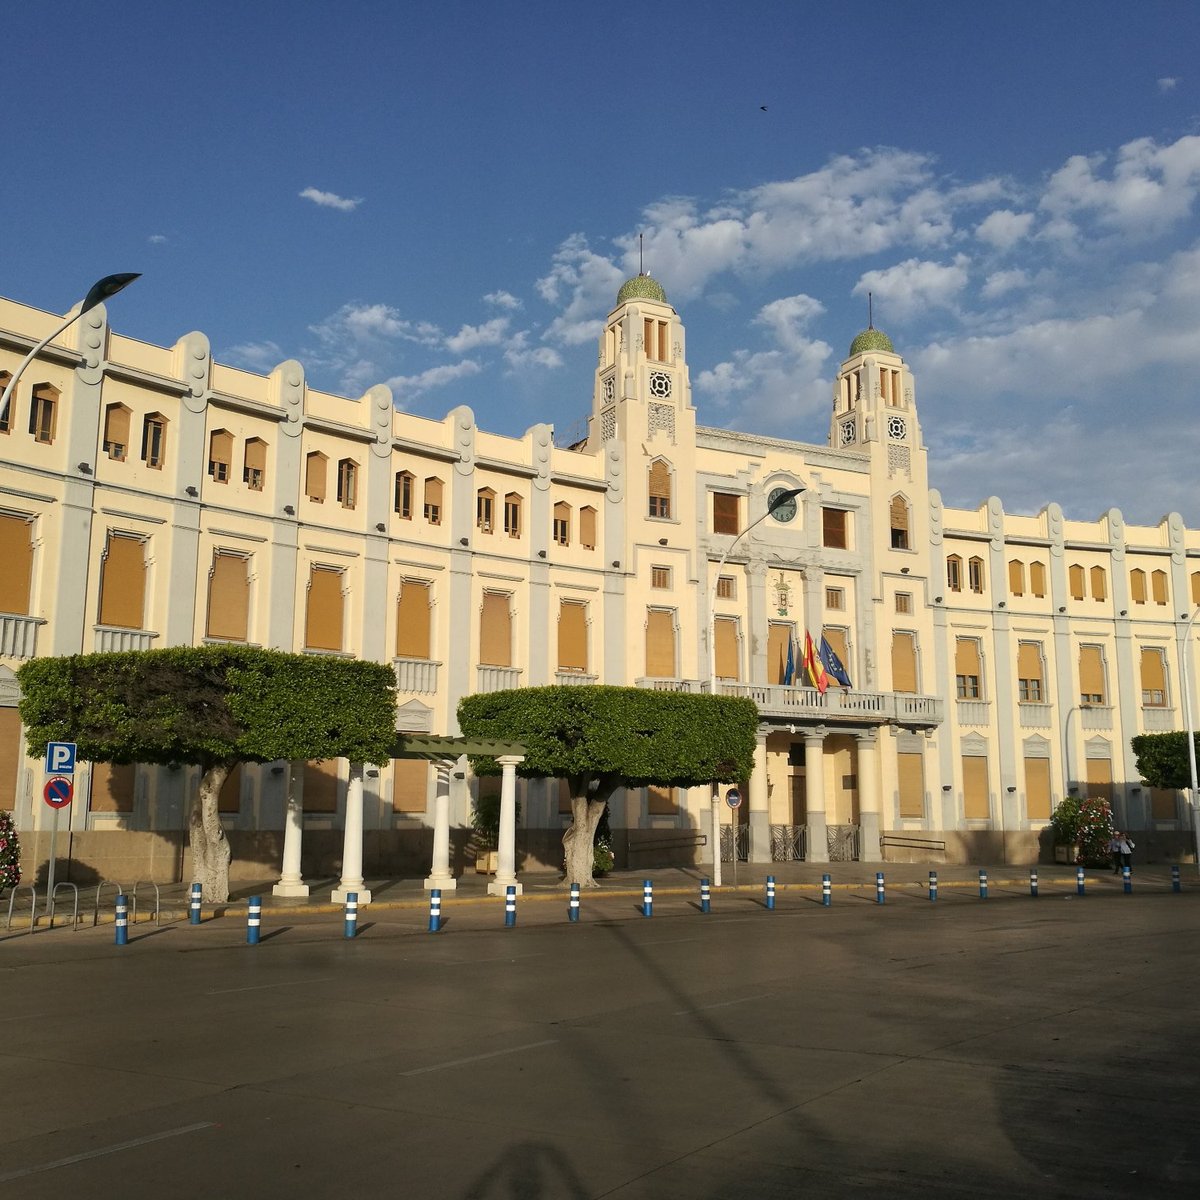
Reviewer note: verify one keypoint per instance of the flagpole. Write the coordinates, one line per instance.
(779, 501)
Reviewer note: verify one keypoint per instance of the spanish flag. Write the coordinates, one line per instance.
(813, 667)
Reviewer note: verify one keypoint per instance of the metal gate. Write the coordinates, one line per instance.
(738, 835)
(789, 843)
(843, 843)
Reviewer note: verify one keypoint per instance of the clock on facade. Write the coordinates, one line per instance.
(787, 510)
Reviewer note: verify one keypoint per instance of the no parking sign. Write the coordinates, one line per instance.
(58, 791)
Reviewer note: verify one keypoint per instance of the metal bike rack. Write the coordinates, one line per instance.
(119, 890)
(74, 913)
(157, 902)
(33, 905)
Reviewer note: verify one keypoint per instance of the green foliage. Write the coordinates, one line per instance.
(636, 735)
(209, 704)
(1086, 822)
(1162, 759)
(485, 818)
(10, 852)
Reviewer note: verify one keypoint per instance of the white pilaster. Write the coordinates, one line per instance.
(506, 868)
(814, 795)
(760, 817)
(352, 878)
(868, 798)
(439, 875)
(290, 881)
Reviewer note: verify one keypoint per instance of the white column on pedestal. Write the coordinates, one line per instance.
(439, 875)
(814, 797)
(760, 814)
(868, 798)
(506, 867)
(290, 881)
(352, 879)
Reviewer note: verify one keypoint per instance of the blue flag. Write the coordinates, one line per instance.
(833, 664)
(790, 667)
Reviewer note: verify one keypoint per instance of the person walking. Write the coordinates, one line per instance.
(1125, 849)
(1114, 849)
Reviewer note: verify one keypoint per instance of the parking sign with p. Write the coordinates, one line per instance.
(60, 758)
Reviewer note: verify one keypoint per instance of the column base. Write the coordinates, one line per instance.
(282, 888)
(760, 838)
(499, 887)
(868, 838)
(340, 893)
(443, 883)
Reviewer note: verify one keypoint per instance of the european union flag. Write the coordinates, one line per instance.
(833, 664)
(790, 667)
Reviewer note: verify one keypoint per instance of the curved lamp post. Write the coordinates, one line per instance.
(779, 501)
(1193, 798)
(1067, 789)
(100, 291)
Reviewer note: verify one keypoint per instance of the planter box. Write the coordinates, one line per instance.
(1066, 854)
(486, 862)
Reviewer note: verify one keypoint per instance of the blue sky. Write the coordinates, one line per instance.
(446, 197)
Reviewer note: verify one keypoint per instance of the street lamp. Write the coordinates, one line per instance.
(100, 291)
(1193, 798)
(1067, 746)
(778, 500)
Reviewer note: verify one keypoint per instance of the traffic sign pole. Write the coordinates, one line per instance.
(733, 798)
(57, 793)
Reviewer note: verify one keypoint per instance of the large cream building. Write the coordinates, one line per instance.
(150, 496)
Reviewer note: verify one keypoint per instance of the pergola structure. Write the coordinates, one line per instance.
(444, 752)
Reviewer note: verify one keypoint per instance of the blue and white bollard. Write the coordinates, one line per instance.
(647, 897)
(933, 885)
(573, 907)
(1079, 882)
(1127, 879)
(253, 919)
(351, 926)
(121, 937)
(435, 909)
(510, 905)
(770, 891)
(705, 897)
(1033, 883)
(194, 905)
(1176, 885)
(878, 887)
(983, 885)
(826, 891)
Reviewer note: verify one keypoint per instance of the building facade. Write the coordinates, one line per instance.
(152, 497)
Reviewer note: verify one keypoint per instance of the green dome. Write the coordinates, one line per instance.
(641, 287)
(871, 339)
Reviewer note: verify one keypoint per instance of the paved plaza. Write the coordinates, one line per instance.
(963, 1047)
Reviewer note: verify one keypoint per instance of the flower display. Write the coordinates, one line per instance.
(10, 852)
(1085, 822)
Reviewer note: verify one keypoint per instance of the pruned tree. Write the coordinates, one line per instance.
(602, 738)
(212, 707)
(1162, 759)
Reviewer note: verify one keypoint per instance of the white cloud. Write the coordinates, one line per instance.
(914, 286)
(157, 239)
(262, 357)
(408, 387)
(329, 199)
(469, 337)
(519, 355)
(1000, 283)
(367, 322)
(584, 284)
(504, 300)
(1004, 228)
(1167, 83)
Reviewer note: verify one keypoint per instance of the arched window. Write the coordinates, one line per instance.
(1016, 577)
(1037, 579)
(1099, 584)
(975, 574)
(154, 440)
(587, 529)
(405, 484)
(43, 413)
(898, 518)
(660, 488)
(433, 500)
(1158, 586)
(512, 514)
(562, 523)
(220, 455)
(954, 573)
(1137, 585)
(485, 510)
(1077, 580)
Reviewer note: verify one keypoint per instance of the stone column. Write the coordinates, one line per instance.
(760, 816)
(506, 867)
(290, 881)
(439, 874)
(868, 797)
(352, 879)
(814, 793)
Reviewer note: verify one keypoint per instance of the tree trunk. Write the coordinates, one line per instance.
(578, 840)
(210, 848)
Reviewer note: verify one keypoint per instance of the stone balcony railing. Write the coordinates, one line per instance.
(418, 675)
(497, 679)
(18, 635)
(575, 678)
(840, 705)
(109, 638)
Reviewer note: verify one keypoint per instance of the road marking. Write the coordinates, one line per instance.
(258, 987)
(462, 1062)
(683, 1012)
(75, 1158)
(671, 942)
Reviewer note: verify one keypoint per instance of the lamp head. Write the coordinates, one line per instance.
(110, 285)
(783, 498)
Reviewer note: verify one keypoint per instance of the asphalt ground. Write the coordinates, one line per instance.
(968, 1047)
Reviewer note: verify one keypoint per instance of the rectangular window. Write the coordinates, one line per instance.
(123, 582)
(954, 573)
(512, 515)
(975, 575)
(11, 759)
(660, 802)
(660, 577)
(898, 517)
(1158, 583)
(324, 612)
(154, 441)
(835, 598)
(660, 643)
(16, 553)
(314, 477)
(833, 528)
(1137, 586)
(1100, 779)
(725, 512)
(726, 588)
(976, 801)
(660, 489)
(220, 455)
(1154, 678)
(904, 602)
(1031, 687)
(347, 483)
(402, 505)
(572, 636)
(561, 531)
(1076, 581)
(413, 620)
(587, 528)
(836, 637)
(967, 668)
(228, 597)
(112, 789)
(433, 501)
(43, 413)
(1092, 688)
(1037, 579)
(410, 785)
(6, 419)
(495, 630)
(485, 502)
(779, 637)
(321, 786)
(727, 648)
(116, 431)
(904, 661)
(1016, 578)
(254, 464)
